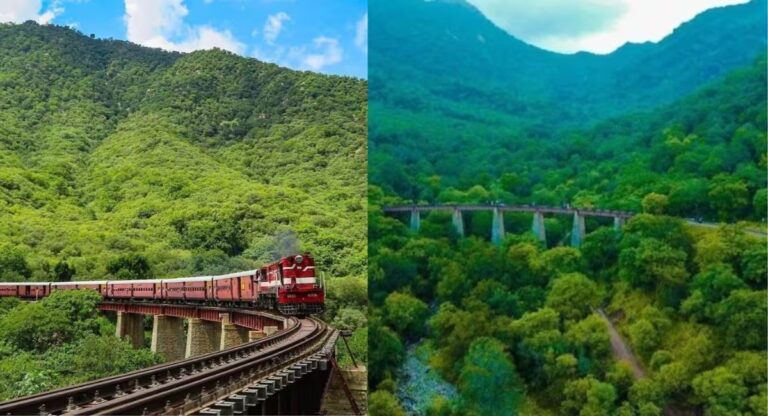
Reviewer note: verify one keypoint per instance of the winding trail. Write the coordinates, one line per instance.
(621, 350)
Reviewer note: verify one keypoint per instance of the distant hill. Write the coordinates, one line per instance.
(113, 156)
(531, 126)
(448, 49)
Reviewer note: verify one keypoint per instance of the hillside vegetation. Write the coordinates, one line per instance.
(121, 161)
(671, 130)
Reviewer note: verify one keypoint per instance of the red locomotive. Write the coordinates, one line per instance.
(288, 285)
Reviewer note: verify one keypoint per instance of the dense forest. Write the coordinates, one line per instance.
(433, 133)
(674, 130)
(119, 161)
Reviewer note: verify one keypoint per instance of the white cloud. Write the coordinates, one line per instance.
(18, 11)
(598, 26)
(361, 33)
(155, 23)
(330, 53)
(322, 52)
(274, 25)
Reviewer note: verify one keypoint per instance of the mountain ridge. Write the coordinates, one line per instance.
(197, 163)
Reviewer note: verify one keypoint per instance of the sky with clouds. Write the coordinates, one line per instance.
(598, 26)
(328, 36)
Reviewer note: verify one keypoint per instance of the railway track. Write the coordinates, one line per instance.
(188, 386)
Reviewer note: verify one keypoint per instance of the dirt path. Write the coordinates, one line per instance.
(621, 350)
(750, 231)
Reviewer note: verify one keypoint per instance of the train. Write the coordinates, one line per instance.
(288, 285)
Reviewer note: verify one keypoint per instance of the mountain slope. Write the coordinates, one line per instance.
(425, 44)
(557, 125)
(196, 163)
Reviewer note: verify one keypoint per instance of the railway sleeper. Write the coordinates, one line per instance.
(226, 408)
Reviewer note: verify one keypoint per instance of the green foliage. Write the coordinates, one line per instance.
(60, 341)
(63, 272)
(58, 319)
(130, 266)
(388, 354)
(488, 381)
(383, 403)
(573, 296)
(198, 163)
(13, 264)
(654, 203)
(481, 118)
(405, 314)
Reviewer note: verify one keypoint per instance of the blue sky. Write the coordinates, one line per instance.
(328, 36)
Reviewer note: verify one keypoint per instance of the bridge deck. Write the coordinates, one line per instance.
(510, 208)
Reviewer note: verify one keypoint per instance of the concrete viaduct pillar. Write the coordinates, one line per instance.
(168, 337)
(497, 230)
(538, 227)
(231, 334)
(131, 327)
(415, 220)
(458, 222)
(577, 234)
(203, 337)
(618, 222)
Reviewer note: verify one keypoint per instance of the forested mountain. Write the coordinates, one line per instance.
(122, 161)
(462, 112)
(424, 45)
(497, 106)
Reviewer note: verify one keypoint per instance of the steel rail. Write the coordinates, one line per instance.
(176, 397)
(55, 401)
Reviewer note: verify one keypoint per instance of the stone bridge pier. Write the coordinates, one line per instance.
(179, 337)
(130, 326)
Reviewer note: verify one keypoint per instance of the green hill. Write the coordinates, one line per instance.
(113, 156)
(503, 120)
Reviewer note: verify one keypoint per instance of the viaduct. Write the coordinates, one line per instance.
(497, 227)
(220, 361)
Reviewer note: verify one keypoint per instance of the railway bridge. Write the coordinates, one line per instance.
(497, 228)
(228, 361)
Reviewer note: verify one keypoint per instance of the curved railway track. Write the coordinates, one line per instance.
(187, 386)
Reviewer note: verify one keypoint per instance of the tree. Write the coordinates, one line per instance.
(644, 336)
(722, 391)
(716, 283)
(729, 197)
(601, 251)
(759, 202)
(384, 403)
(654, 203)
(488, 381)
(498, 297)
(652, 262)
(63, 271)
(561, 260)
(130, 266)
(754, 269)
(405, 314)
(588, 397)
(57, 319)
(590, 337)
(741, 317)
(13, 264)
(574, 296)
(388, 353)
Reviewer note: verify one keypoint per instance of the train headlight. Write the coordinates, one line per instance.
(298, 259)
